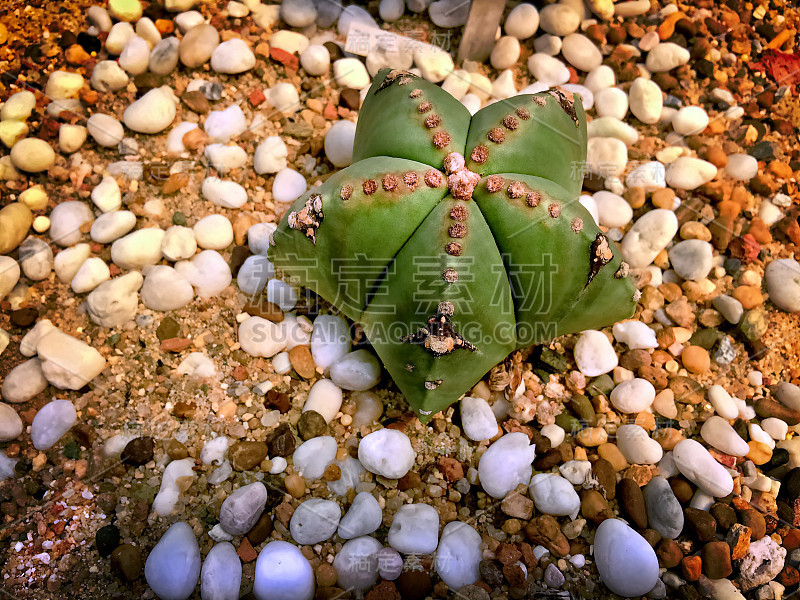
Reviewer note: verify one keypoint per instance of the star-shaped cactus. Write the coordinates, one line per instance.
(456, 239)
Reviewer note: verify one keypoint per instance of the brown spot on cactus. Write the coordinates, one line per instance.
(496, 135)
(432, 385)
(370, 187)
(539, 100)
(438, 336)
(346, 192)
(432, 121)
(397, 75)
(441, 139)
(450, 275)
(424, 107)
(415, 93)
(457, 230)
(576, 225)
(532, 199)
(516, 190)
(459, 212)
(309, 218)
(567, 102)
(411, 179)
(510, 123)
(600, 255)
(454, 249)
(554, 210)
(390, 182)
(523, 113)
(433, 178)
(622, 271)
(409, 367)
(480, 154)
(494, 183)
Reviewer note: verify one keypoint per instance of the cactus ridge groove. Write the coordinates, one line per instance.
(451, 248)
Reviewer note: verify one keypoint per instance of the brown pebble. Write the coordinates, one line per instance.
(126, 562)
(138, 451)
(696, 359)
(631, 501)
(594, 507)
(755, 521)
(545, 531)
(691, 567)
(701, 523)
(295, 485)
(325, 575)
(302, 362)
(682, 489)
(717, 560)
(669, 553)
(246, 455)
(663, 198)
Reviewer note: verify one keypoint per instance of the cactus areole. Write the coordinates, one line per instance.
(456, 239)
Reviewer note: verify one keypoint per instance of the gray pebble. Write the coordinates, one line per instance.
(664, 512)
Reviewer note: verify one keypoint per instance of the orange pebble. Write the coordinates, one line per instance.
(759, 453)
(696, 359)
(749, 295)
(667, 27)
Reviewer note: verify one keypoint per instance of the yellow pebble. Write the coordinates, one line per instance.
(612, 454)
(759, 453)
(41, 224)
(34, 198)
(592, 436)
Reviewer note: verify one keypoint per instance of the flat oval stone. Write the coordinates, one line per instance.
(387, 452)
(717, 432)
(415, 529)
(664, 512)
(32, 155)
(626, 562)
(698, 466)
(152, 113)
(637, 446)
(283, 573)
(173, 567)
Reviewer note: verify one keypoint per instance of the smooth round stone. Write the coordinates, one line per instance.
(108, 76)
(645, 100)
(581, 52)
(220, 192)
(350, 73)
(330, 340)
(221, 575)
(114, 303)
(635, 335)
(594, 353)
(68, 261)
(125, 10)
(240, 511)
(636, 445)
(9, 275)
(152, 113)
(282, 294)
(260, 337)
(178, 243)
(775, 428)
(387, 452)
(164, 56)
(688, 173)
(10, 423)
(664, 512)
(665, 57)
(138, 249)
(173, 567)
(478, 419)
(356, 563)
(105, 130)
(213, 232)
(284, 97)
(650, 176)
(135, 56)
(118, 37)
(62, 85)
(548, 69)
(198, 45)
(559, 19)
(391, 10)
(722, 402)
(650, 234)
(434, 64)
(690, 120)
(107, 195)
(315, 521)
(717, 432)
(288, 185)
(554, 495)
(298, 13)
(66, 220)
(324, 397)
(289, 41)
(692, 259)
(18, 107)
(606, 156)
(459, 555)
(611, 102)
(600, 78)
(352, 15)
(547, 44)
(339, 143)
(522, 21)
(222, 125)
(166, 289)
(415, 529)
(92, 273)
(359, 370)
(312, 457)
(363, 517)
(71, 137)
(449, 13)
(226, 158)
(611, 127)
(233, 56)
(782, 278)
(35, 258)
(32, 155)
(254, 274)
(505, 52)
(270, 156)
(283, 573)
(741, 167)
(698, 466)
(24, 382)
(625, 561)
(390, 563)
(506, 464)
(316, 60)
(612, 210)
(633, 396)
(52, 421)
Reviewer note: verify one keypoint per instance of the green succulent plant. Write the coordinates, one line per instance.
(456, 239)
